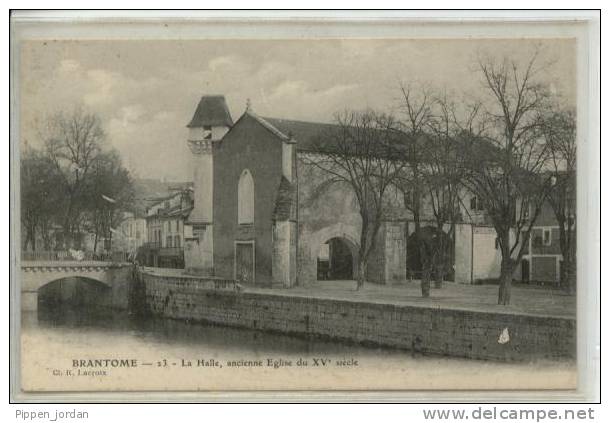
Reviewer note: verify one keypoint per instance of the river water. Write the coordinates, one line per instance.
(179, 355)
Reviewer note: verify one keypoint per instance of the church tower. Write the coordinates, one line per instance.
(209, 124)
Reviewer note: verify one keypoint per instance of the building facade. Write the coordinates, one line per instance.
(264, 215)
(543, 260)
(166, 230)
(131, 234)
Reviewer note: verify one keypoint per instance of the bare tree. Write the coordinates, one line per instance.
(76, 182)
(72, 143)
(411, 152)
(505, 165)
(443, 173)
(559, 131)
(355, 153)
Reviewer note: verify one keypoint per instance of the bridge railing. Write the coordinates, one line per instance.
(114, 256)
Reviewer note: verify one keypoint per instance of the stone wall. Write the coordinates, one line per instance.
(544, 269)
(199, 249)
(387, 262)
(463, 253)
(284, 254)
(448, 332)
(331, 210)
(486, 257)
(476, 254)
(326, 210)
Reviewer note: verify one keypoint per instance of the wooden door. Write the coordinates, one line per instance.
(525, 270)
(244, 263)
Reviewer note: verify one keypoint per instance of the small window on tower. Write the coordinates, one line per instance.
(207, 132)
(408, 198)
(546, 236)
(476, 204)
(473, 203)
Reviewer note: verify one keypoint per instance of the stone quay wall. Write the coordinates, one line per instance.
(425, 330)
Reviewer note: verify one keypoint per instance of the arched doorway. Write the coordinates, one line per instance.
(525, 271)
(430, 239)
(336, 260)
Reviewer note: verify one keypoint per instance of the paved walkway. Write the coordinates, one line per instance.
(525, 299)
(530, 300)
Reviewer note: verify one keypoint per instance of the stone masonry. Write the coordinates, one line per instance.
(425, 330)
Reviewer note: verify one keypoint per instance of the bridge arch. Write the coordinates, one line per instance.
(85, 279)
(74, 290)
(42, 276)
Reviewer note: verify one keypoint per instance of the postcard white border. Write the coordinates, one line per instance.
(584, 26)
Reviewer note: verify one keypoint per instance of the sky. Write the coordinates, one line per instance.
(146, 91)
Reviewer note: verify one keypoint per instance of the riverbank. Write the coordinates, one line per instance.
(463, 329)
(51, 341)
(526, 300)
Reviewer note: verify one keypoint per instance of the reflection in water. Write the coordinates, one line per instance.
(74, 290)
(55, 336)
(93, 321)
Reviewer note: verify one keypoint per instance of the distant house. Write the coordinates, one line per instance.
(130, 234)
(542, 260)
(165, 230)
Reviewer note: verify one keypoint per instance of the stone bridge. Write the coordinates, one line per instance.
(37, 274)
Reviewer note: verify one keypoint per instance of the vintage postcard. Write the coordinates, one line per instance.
(310, 213)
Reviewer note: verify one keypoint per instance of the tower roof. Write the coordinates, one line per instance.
(212, 110)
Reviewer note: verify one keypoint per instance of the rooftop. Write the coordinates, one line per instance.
(212, 110)
(306, 134)
(309, 136)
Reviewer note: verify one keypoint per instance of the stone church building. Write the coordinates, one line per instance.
(263, 215)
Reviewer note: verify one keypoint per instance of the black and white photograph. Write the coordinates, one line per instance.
(311, 213)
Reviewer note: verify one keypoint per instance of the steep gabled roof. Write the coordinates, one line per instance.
(212, 110)
(308, 135)
(268, 126)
